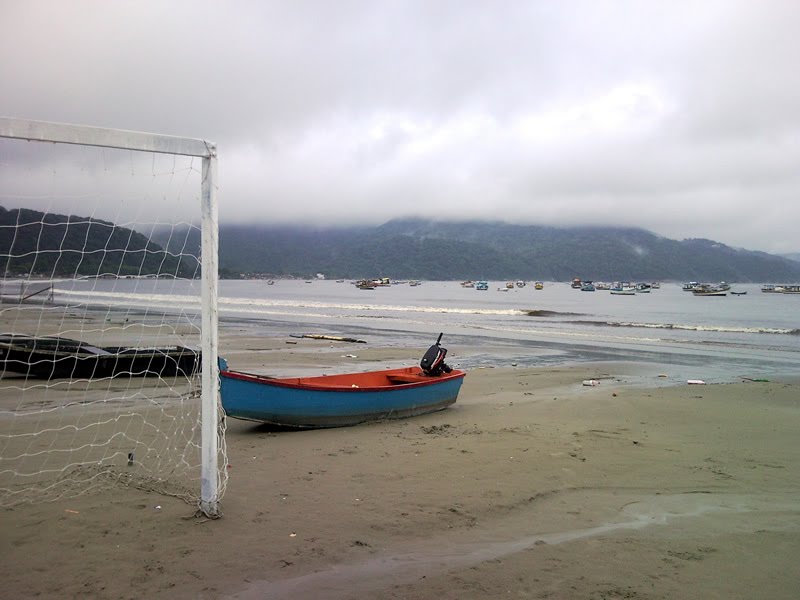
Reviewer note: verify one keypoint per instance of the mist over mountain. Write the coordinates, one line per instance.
(67, 245)
(426, 249)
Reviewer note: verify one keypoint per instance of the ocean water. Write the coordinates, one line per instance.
(755, 335)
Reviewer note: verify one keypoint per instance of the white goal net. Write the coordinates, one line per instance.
(108, 336)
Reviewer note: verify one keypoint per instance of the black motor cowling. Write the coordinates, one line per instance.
(432, 362)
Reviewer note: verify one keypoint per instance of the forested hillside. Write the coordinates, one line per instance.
(52, 245)
(68, 246)
(423, 249)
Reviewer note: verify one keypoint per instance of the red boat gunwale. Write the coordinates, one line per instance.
(352, 382)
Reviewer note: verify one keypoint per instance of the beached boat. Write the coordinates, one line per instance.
(337, 400)
(342, 400)
(62, 358)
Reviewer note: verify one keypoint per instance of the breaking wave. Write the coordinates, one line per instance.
(274, 306)
(689, 327)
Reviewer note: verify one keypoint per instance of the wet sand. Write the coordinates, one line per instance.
(530, 486)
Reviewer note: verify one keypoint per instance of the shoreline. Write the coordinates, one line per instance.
(528, 342)
(268, 355)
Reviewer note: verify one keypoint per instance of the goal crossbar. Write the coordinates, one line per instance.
(63, 133)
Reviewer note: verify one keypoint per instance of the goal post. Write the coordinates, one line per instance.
(210, 374)
(212, 478)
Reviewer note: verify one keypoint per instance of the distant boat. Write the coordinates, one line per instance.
(576, 283)
(689, 286)
(780, 289)
(467, 284)
(413, 283)
(520, 284)
(711, 289)
(623, 288)
(708, 290)
(643, 288)
(587, 286)
(538, 285)
(738, 293)
(482, 285)
(365, 284)
(510, 285)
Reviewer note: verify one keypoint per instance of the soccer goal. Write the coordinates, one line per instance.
(108, 314)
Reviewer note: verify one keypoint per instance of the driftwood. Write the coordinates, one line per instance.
(334, 338)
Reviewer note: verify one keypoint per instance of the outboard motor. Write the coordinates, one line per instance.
(432, 362)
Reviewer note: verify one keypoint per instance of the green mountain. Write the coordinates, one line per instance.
(52, 245)
(68, 246)
(423, 249)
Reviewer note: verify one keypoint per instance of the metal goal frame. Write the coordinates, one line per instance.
(62, 133)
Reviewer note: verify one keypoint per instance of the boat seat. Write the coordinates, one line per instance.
(400, 378)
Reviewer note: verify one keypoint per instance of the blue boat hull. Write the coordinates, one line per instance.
(337, 400)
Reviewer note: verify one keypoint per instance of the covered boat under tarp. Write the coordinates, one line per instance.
(63, 358)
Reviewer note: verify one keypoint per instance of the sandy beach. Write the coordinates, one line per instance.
(530, 486)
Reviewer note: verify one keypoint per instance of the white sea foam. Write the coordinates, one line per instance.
(717, 328)
(268, 305)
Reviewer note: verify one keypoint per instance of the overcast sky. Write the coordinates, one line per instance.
(681, 117)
